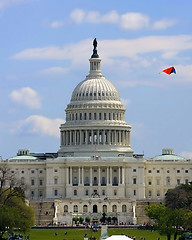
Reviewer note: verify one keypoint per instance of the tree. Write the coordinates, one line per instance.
(14, 213)
(167, 220)
(179, 197)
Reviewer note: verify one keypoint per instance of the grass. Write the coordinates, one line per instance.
(78, 234)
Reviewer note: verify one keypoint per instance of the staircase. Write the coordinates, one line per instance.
(43, 212)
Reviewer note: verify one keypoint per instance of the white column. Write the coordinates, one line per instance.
(119, 176)
(82, 175)
(111, 180)
(97, 137)
(92, 137)
(99, 176)
(71, 175)
(103, 133)
(79, 176)
(70, 138)
(109, 137)
(75, 137)
(120, 142)
(129, 137)
(123, 175)
(67, 175)
(80, 137)
(90, 176)
(86, 137)
(107, 175)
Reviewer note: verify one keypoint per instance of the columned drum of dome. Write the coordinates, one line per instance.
(95, 118)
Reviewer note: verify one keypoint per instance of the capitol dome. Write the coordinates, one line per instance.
(95, 89)
(95, 117)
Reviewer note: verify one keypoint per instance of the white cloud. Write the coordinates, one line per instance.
(26, 96)
(132, 52)
(185, 73)
(134, 21)
(187, 155)
(125, 102)
(54, 71)
(127, 21)
(77, 16)
(57, 24)
(38, 125)
(9, 3)
(164, 23)
(130, 48)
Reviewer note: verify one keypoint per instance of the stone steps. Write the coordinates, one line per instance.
(43, 212)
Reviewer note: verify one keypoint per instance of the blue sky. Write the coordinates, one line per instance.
(44, 50)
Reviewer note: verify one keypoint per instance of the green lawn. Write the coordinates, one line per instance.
(78, 234)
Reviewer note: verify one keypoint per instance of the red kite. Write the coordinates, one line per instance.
(169, 70)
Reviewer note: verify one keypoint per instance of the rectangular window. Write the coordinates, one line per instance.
(158, 181)
(134, 181)
(149, 171)
(32, 171)
(56, 192)
(178, 181)
(115, 192)
(134, 170)
(134, 192)
(178, 171)
(186, 171)
(103, 192)
(149, 193)
(95, 116)
(158, 171)
(32, 182)
(89, 116)
(40, 182)
(55, 180)
(186, 181)
(75, 192)
(86, 192)
(149, 182)
(99, 116)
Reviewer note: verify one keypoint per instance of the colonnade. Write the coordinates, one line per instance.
(80, 175)
(104, 136)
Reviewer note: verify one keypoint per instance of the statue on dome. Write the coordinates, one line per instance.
(95, 43)
(95, 55)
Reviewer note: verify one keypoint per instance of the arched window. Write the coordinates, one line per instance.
(114, 208)
(75, 208)
(85, 208)
(22, 180)
(115, 183)
(168, 180)
(86, 181)
(103, 182)
(65, 208)
(95, 181)
(124, 208)
(94, 208)
(104, 208)
(75, 182)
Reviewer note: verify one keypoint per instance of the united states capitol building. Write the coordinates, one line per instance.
(95, 170)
